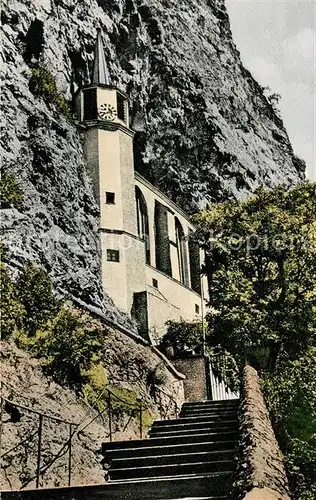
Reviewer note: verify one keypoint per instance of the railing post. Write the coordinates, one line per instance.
(1, 416)
(141, 420)
(139, 400)
(110, 415)
(176, 409)
(69, 457)
(39, 450)
(160, 405)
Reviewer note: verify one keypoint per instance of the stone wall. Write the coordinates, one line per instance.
(261, 474)
(193, 367)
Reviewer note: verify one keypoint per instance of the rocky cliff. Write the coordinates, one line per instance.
(204, 129)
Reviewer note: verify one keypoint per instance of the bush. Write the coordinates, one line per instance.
(183, 336)
(10, 193)
(11, 309)
(70, 343)
(43, 84)
(34, 292)
(69, 349)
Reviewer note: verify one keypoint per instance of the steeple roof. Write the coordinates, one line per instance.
(100, 74)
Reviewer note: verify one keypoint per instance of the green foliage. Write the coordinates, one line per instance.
(261, 264)
(10, 193)
(43, 84)
(34, 291)
(11, 309)
(183, 336)
(69, 348)
(262, 268)
(69, 343)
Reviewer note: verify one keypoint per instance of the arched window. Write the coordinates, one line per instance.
(142, 221)
(162, 244)
(195, 264)
(182, 253)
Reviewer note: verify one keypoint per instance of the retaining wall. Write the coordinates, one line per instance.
(261, 472)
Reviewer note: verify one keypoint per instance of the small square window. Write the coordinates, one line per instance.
(109, 198)
(197, 309)
(155, 283)
(113, 255)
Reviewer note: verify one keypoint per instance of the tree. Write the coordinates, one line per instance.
(261, 264)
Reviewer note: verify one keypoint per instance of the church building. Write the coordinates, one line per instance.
(150, 264)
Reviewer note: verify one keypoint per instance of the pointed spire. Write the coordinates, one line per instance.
(100, 69)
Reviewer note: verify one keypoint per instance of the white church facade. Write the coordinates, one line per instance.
(150, 264)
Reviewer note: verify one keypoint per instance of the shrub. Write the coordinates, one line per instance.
(35, 293)
(43, 84)
(10, 193)
(183, 336)
(11, 309)
(69, 349)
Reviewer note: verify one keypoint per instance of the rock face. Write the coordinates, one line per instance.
(204, 129)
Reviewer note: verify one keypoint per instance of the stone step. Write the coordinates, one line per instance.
(198, 418)
(191, 487)
(163, 425)
(171, 469)
(173, 487)
(206, 412)
(224, 402)
(166, 449)
(157, 432)
(201, 498)
(211, 407)
(172, 440)
(233, 406)
(175, 458)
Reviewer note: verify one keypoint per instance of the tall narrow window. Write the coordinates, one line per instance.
(142, 221)
(195, 264)
(182, 253)
(90, 111)
(121, 102)
(162, 245)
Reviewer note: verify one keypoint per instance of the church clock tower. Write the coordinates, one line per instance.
(103, 111)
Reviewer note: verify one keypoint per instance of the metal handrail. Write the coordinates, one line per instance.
(74, 428)
(51, 417)
(39, 431)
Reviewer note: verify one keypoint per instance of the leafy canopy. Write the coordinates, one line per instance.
(261, 264)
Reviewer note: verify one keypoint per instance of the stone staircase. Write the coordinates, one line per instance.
(192, 457)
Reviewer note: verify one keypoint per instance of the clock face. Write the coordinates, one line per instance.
(107, 112)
